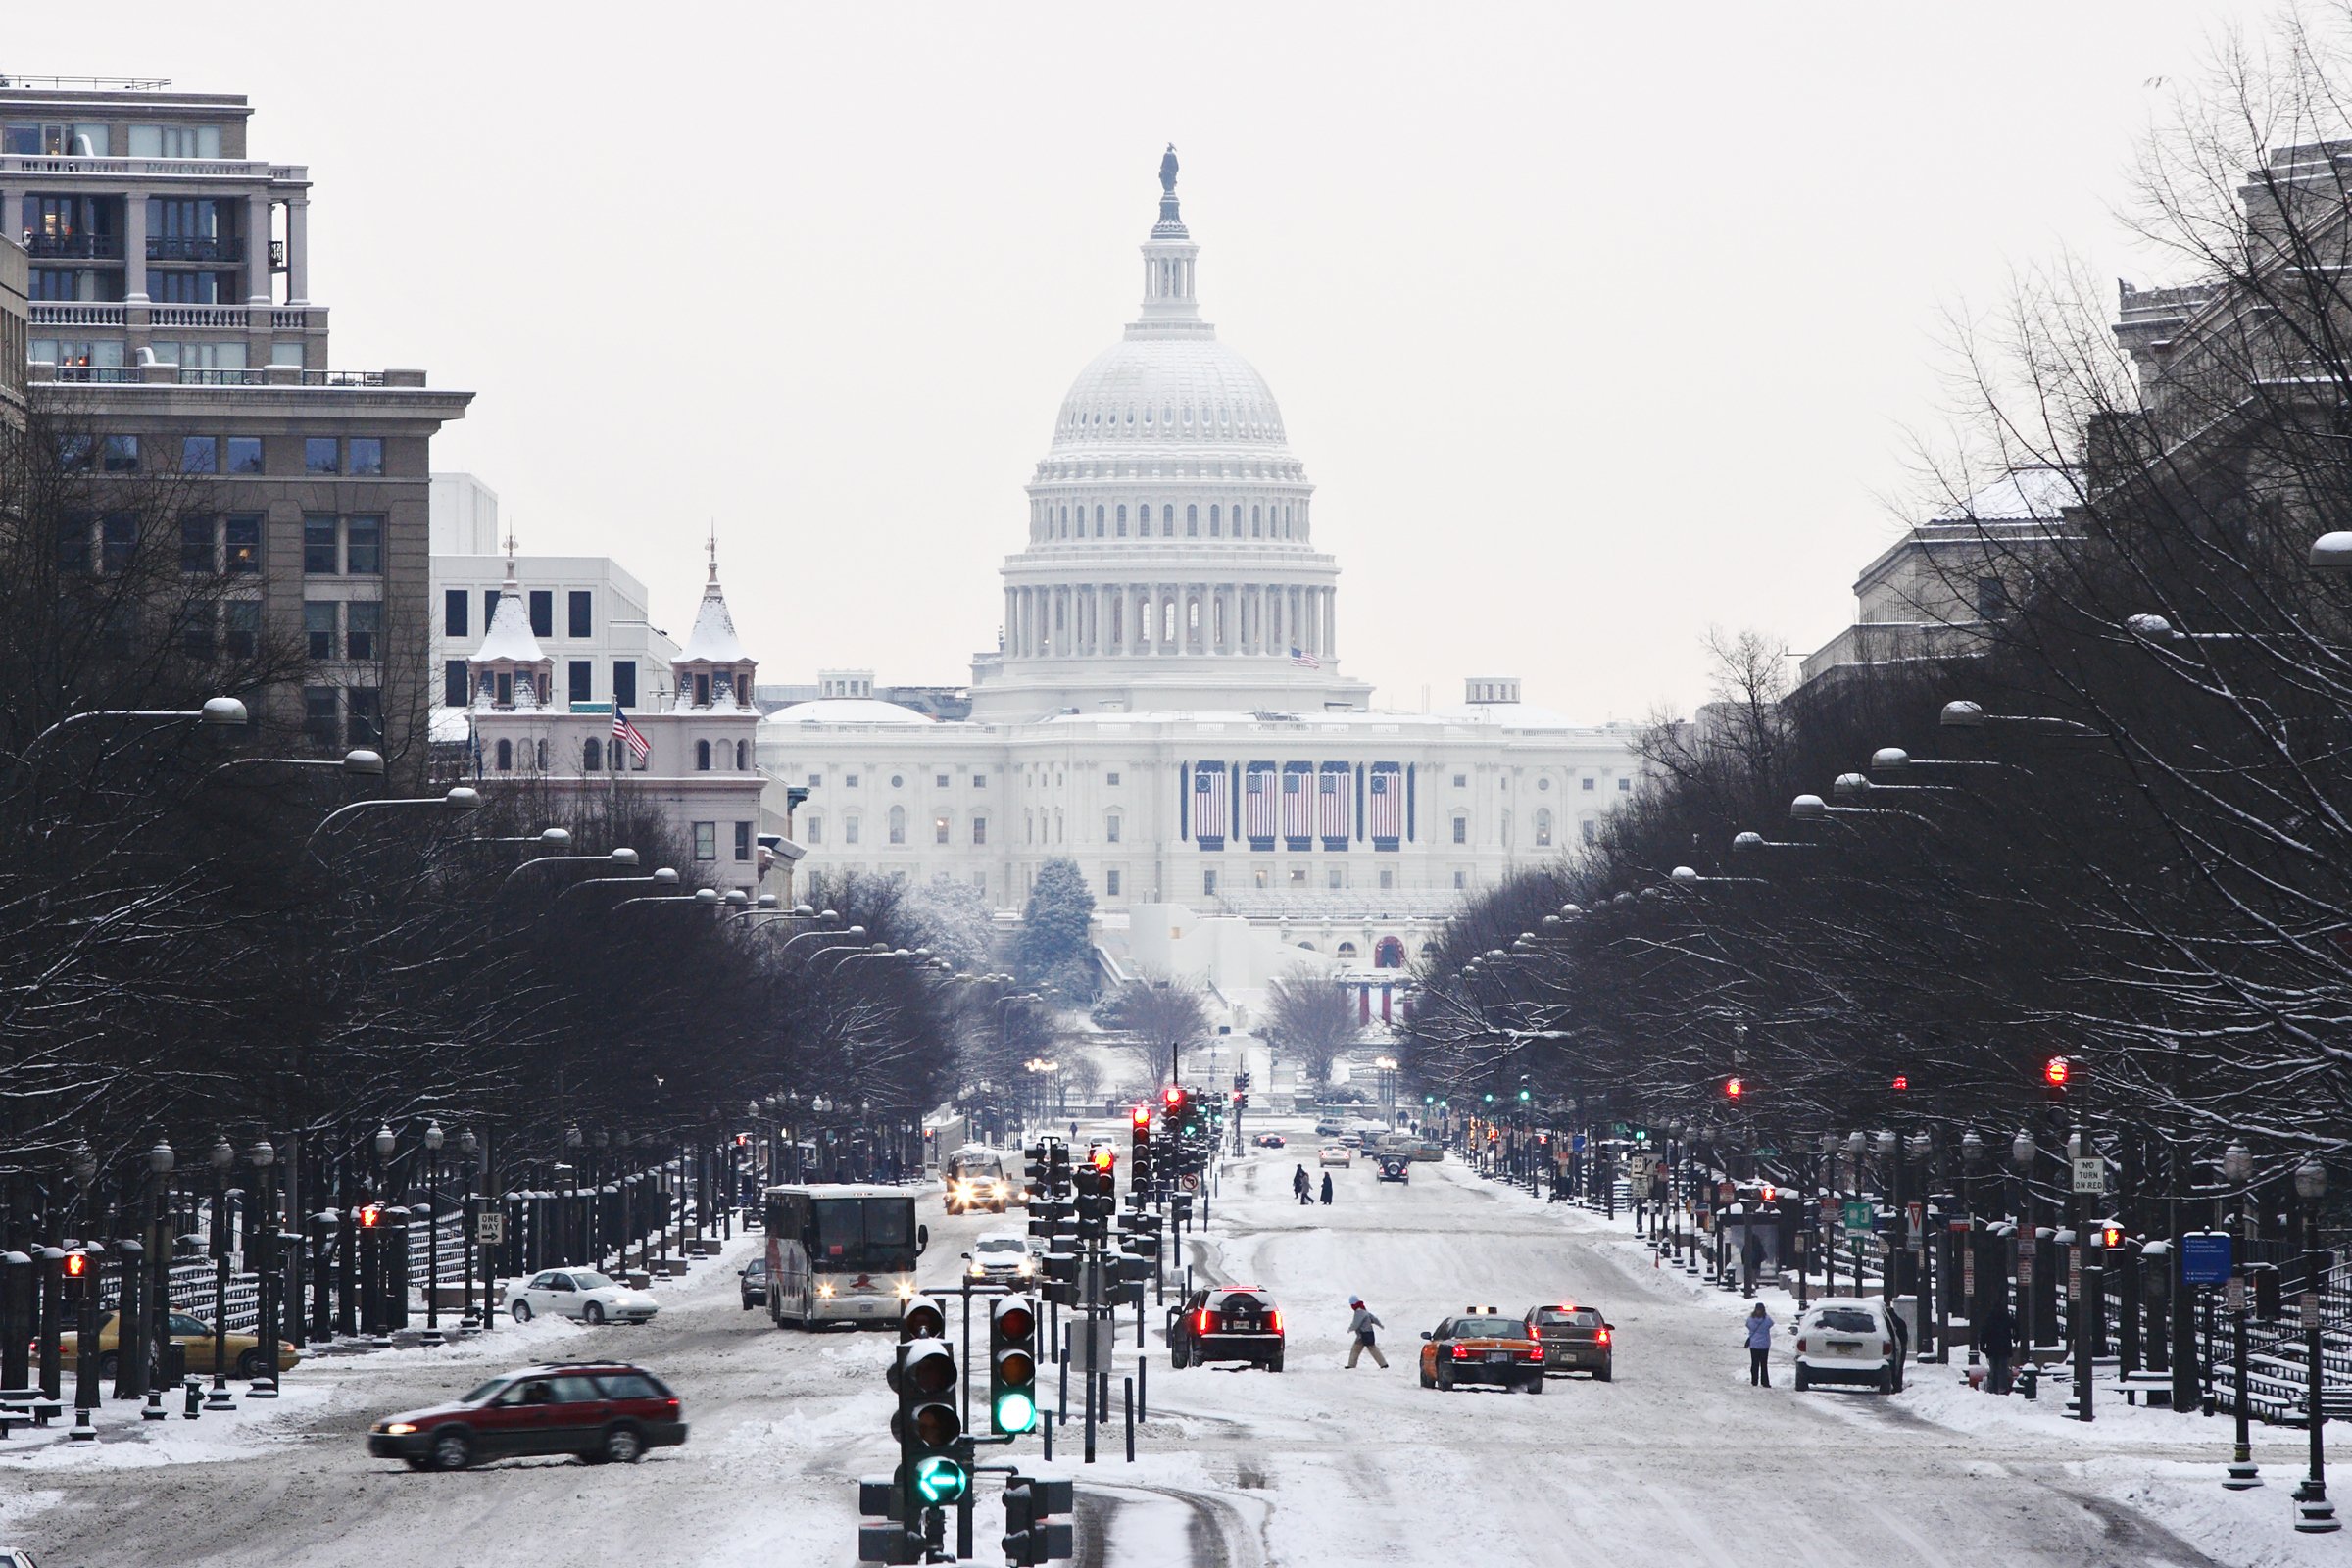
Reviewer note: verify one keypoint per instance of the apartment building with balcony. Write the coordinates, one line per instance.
(13, 325)
(171, 342)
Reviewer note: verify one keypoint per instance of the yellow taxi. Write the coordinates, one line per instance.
(1481, 1346)
(246, 1357)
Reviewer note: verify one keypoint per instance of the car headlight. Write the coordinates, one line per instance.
(824, 1292)
(978, 1269)
(1028, 1265)
(906, 1290)
(400, 1429)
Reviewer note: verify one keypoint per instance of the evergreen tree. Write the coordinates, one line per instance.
(1056, 946)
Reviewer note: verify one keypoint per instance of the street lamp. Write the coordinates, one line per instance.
(84, 1170)
(224, 1156)
(432, 1225)
(2318, 1514)
(155, 1298)
(359, 763)
(460, 799)
(263, 1157)
(2238, 1168)
(469, 1147)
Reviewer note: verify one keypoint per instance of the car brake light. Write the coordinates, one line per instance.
(1274, 1321)
(1208, 1321)
(671, 1405)
(1600, 1335)
(1461, 1352)
(1885, 1347)
(1800, 1345)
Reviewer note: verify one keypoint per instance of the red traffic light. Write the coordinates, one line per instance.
(2056, 1071)
(371, 1216)
(1102, 1159)
(2110, 1236)
(77, 1264)
(1173, 1096)
(1142, 1119)
(1902, 1081)
(1733, 1088)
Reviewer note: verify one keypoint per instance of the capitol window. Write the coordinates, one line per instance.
(1111, 779)
(939, 830)
(1192, 522)
(939, 781)
(979, 830)
(1461, 827)
(814, 830)
(1209, 883)
(980, 779)
(1460, 782)
(817, 781)
(1589, 786)
(1111, 882)
(1591, 830)
(1625, 786)
(702, 757)
(1098, 522)
(897, 824)
(850, 779)
(1542, 830)
(1122, 522)
(1543, 783)
(1110, 828)
(898, 781)
(848, 829)
(1215, 517)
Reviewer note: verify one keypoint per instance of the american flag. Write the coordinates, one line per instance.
(1384, 809)
(622, 730)
(1304, 660)
(1297, 805)
(1331, 807)
(1209, 805)
(1257, 804)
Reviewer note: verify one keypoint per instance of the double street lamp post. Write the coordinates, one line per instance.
(2317, 1515)
(2238, 1168)
(224, 1156)
(263, 1158)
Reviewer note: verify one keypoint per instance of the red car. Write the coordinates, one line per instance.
(600, 1410)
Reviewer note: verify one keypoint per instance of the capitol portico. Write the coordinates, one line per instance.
(1167, 706)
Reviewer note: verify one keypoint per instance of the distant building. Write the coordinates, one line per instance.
(464, 516)
(171, 332)
(13, 330)
(587, 613)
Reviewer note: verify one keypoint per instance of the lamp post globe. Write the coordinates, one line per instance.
(385, 1142)
(433, 1137)
(160, 1159)
(223, 1153)
(2238, 1164)
(1972, 1149)
(1885, 1145)
(467, 1144)
(2021, 1150)
(2311, 1180)
(83, 1166)
(262, 1155)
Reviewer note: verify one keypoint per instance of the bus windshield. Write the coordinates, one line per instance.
(871, 1235)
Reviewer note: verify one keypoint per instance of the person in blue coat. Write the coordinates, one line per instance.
(1759, 1347)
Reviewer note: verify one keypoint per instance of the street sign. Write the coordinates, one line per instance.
(2074, 1273)
(1575, 1141)
(1858, 1217)
(2090, 1174)
(2025, 1259)
(1189, 1182)
(490, 1228)
(1968, 1272)
(2311, 1309)
(2234, 1295)
(2205, 1257)
(1768, 1153)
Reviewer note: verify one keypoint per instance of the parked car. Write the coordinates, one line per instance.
(1575, 1339)
(1226, 1323)
(754, 1283)
(1336, 1154)
(1003, 1255)
(1849, 1340)
(600, 1410)
(248, 1358)
(584, 1294)
(1395, 1168)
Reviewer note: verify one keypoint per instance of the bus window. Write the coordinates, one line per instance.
(840, 1237)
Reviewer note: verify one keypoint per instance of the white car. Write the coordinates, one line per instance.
(1338, 1154)
(1848, 1339)
(1003, 1255)
(584, 1294)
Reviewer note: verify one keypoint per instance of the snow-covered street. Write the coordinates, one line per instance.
(1676, 1461)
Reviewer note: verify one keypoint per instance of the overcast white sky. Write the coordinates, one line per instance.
(1595, 324)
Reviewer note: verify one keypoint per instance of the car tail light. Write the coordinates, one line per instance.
(1461, 1352)
(671, 1405)
(1800, 1345)
(1600, 1335)
(1274, 1321)
(1533, 1354)
(1885, 1347)
(1208, 1321)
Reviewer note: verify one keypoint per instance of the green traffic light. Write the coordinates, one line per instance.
(1525, 1094)
(939, 1480)
(1489, 1100)
(1429, 1099)
(1015, 1412)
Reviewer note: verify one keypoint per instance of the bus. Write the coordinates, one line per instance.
(840, 1253)
(975, 1178)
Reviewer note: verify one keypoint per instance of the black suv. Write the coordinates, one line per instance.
(1226, 1323)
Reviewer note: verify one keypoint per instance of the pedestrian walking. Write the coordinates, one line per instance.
(1360, 1324)
(1327, 1188)
(1996, 1337)
(1302, 1184)
(1759, 1347)
(1751, 1261)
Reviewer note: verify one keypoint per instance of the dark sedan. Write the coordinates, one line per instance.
(1575, 1339)
(600, 1411)
(1233, 1323)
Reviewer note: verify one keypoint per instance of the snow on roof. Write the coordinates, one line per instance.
(510, 632)
(449, 724)
(712, 640)
(847, 710)
(2028, 494)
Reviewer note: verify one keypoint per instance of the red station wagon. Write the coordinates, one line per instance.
(600, 1410)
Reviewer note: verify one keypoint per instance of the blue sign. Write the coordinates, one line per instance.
(2205, 1257)
(1575, 1141)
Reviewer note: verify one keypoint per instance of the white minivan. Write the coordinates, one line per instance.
(1850, 1339)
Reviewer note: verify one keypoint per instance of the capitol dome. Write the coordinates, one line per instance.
(1156, 389)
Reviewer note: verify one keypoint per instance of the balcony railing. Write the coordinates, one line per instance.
(153, 167)
(61, 313)
(74, 247)
(81, 373)
(198, 375)
(343, 378)
(228, 318)
(192, 248)
(233, 318)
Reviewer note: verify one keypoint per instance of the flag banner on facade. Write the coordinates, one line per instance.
(1386, 808)
(475, 739)
(1209, 805)
(1331, 804)
(1257, 804)
(1304, 660)
(630, 735)
(1299, 806)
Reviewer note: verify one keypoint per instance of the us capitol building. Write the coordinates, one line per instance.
(1167, 707)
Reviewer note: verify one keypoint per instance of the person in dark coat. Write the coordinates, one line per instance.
(1302, 1184)
(1327, 1187)
(1996, 1337)
(1751, 1261)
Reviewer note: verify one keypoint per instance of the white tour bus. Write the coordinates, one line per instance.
(840, 1253)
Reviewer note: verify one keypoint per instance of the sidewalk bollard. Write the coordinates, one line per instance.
(194, 1406)
(153, 1409)
(1130, 1386)
(1065, 1413)
(1142, 1368)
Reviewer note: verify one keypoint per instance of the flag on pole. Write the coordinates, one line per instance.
(622, 730)
(1304, 660)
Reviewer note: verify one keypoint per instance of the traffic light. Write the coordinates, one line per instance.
(1141, 1120)
(1031, 1536)
(931, 1471)
(1903, 1082)
(2107, 1237)
(1102, 1161)
(1012, 1364)
(1038, 1171)
(77, 1274)
(1733, 1088)
(372, 1216)
(923, 1318)
(2056, 1073)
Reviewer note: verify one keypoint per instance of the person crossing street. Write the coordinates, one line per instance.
(1759, 1347)
(1360, 1323)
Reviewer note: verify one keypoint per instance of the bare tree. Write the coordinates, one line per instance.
(1160, 1017)
(1311, 1021)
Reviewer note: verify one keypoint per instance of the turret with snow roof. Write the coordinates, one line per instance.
(712, 669)
(509, 670)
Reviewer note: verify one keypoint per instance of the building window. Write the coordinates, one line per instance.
(319, 454)
(979, 779)
(506, 757)
(363, 547)
(122, 454)
(363, 627)
(244, 454)
(1111, 779)
(581, 680)
(1388, 877)
(1542, 830)
(454, 605)
(706, 841)
(817, 781)
(543, 613)
(366, 455)
(1298, 876)
(813, 829)
(117, 542)
(848, 829)
(1344, 952)
(1191, 522)
(196, 545)
(1462, 781)
(320, 715)
(979, 830)
(1589, 830)
(848, 780)
(1209, 883)
(743, 841)
(241, 623)
(1335, 876)
(367, 716)
(583, 613)
(592, 756)
(702, 757)
(897, 824)
(898, 781)
(1461, 878)
(743, 757)
(1589, 786)
(319, 627)
(319, 556)
(624, 682)
(939, 828)
(939, 781)
(1993, 599)
(1111, 882)
(199, 454)
(453, 683)
(1625, 786)
(1461, 828)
